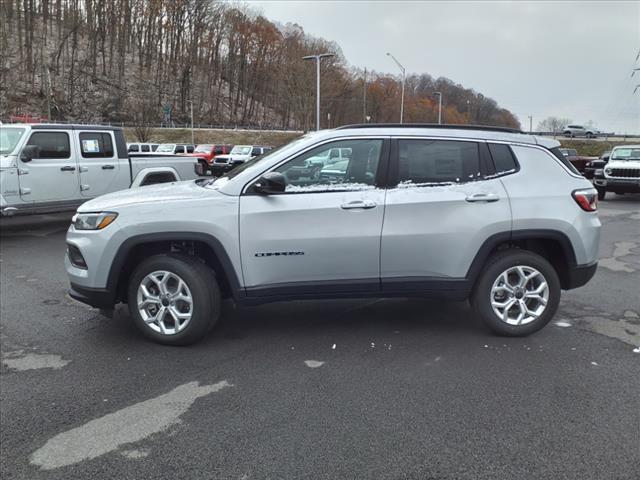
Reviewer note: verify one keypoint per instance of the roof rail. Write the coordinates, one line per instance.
(488, 128)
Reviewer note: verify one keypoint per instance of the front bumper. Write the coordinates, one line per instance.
(95, 297)
(631, 185)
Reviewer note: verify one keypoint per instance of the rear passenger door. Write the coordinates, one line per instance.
(52, 175)
(99, 165)
(443, 202)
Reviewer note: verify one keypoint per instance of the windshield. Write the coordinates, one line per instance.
(241, 150)
(166, 148)
(204, 148)
(626, 154)
(9, 138)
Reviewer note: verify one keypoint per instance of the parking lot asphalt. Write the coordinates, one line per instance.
(391, 388)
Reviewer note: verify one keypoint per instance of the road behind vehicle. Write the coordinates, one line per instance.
(621, 173)
(450, 212)
(54, 168)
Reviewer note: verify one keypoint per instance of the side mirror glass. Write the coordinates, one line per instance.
(271, 182)
(29, 153)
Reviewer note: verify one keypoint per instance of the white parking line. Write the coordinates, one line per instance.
(131, 424)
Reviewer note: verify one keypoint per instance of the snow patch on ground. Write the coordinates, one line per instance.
(562, 323)
(20, 361)
(129, 425)
(313, 363)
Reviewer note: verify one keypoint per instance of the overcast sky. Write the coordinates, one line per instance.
(568, 59)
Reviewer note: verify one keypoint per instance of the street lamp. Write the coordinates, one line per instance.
(439, 94)
(192, 136)
(317, 58)
(403, 77)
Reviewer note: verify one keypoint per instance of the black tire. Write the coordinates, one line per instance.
(601, 193)
(205, 294)
(620, 193)
(500, 262)
(204, 166)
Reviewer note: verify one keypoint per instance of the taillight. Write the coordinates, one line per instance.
(586, 199)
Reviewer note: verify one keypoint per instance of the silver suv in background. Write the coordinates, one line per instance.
(580, 131)
(488, 214)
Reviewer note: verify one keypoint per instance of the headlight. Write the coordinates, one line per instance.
(93, 221)
(607, 171)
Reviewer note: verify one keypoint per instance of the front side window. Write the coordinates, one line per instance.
(312, 172)
(51, 145)
(133, 148)
(427, 163)
(9, 138)
(145, 148)
(96, 145)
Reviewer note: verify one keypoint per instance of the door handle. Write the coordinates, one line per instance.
(483, 197)
(68, 168)
(361, 204)
(108, 167)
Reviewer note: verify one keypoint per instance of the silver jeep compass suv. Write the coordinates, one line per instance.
(456, 212)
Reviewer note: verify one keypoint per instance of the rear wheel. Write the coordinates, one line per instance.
(518, 293)
(173, 299)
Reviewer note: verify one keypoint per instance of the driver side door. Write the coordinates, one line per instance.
(320, 235)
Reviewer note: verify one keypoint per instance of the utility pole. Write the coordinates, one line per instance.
(439, 94)
(402, 69)
(364, 96)
(317, 58)
(530, 123)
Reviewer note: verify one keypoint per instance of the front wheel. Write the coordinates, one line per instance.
(518, 293)
(601, 193)
(173, 299)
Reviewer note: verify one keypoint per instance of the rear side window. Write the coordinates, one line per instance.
(256, 151)
(564, 160)
(179, 149)
(96, 145)
(133, 148)
(503, 158)
(51, 144)
(432, 162)
(145, 148)
(218, 150)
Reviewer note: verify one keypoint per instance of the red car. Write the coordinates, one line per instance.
(206, 153)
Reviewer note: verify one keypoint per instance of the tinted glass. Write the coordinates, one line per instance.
(565, 161)
(96, 145)
(503, 158)
(146, 148)
(431, 162)
(312, 172)
(132, 148)
(51, 144)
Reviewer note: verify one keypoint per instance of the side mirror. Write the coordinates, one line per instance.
(29, 153)
(271, 182)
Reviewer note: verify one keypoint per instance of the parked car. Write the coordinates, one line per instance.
(453, 212)
(174, 148)
(335, 172)
(238, 155)
(206, 154)
(580, 131)
(313, 166)
(54, 168)
(578, 161)
(596, 165)
(621, 173)
(142, 147)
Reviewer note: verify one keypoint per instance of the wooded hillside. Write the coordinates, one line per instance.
(124, 60)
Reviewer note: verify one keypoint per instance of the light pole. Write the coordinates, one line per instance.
(439, 94)
(530, 123)
(192, 136)
(317, 58)
(403, 77)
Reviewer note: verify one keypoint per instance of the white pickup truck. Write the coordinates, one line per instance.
(54, 168)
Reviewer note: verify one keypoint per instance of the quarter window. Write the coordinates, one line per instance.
(317, 171)
(96, 145)
(51, 144)
(503, 158)
(434, 162)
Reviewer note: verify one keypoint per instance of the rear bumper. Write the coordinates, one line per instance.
(580, 275)
(95, 297)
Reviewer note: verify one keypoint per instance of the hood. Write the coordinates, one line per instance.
(634, 164)
(162, 193)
